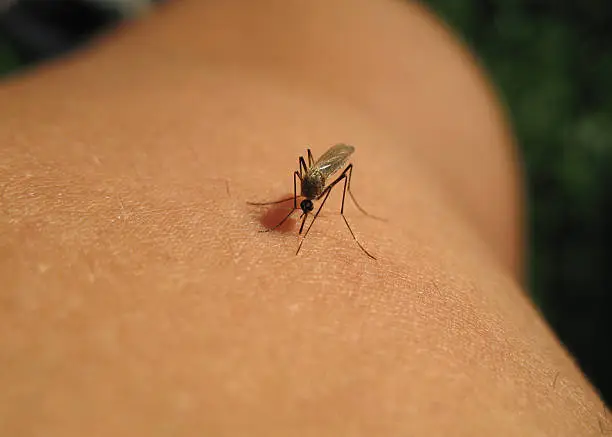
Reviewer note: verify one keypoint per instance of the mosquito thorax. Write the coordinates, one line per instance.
(306, 205)
(313, 184)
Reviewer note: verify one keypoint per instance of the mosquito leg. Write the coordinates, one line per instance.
(328, 190)
(302, 164)
(338, 179)
(279, 223)
(305, 216)
(271, 203)
(346, 174)
(302, 225)
(356, 240)
(294, 197)
(349, 171)
(346, 183)
(310, 158)
(296, 175)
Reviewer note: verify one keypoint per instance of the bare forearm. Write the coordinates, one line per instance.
(139, 297)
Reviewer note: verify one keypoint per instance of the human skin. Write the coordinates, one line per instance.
(139, 298)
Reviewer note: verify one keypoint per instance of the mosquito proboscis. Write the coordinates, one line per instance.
(313, 187)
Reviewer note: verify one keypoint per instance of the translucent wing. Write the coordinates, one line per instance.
(333, 160)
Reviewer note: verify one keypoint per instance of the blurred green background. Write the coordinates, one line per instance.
(552, 64)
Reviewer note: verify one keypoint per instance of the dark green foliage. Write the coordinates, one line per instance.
(552, 64)
(8, 58)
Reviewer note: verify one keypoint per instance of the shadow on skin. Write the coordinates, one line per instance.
(274, 213)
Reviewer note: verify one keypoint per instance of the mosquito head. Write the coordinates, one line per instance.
(306, 205)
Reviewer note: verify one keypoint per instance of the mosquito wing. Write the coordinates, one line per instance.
(333, 160)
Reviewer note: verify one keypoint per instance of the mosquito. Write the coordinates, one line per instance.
(313, 178)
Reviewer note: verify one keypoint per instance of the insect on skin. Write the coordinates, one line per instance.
(313, 178)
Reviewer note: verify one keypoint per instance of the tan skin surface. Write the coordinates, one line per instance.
(138, 297)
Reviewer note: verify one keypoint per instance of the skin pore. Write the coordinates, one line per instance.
(139, 298)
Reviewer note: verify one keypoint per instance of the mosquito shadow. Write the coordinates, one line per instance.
(273, 214)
